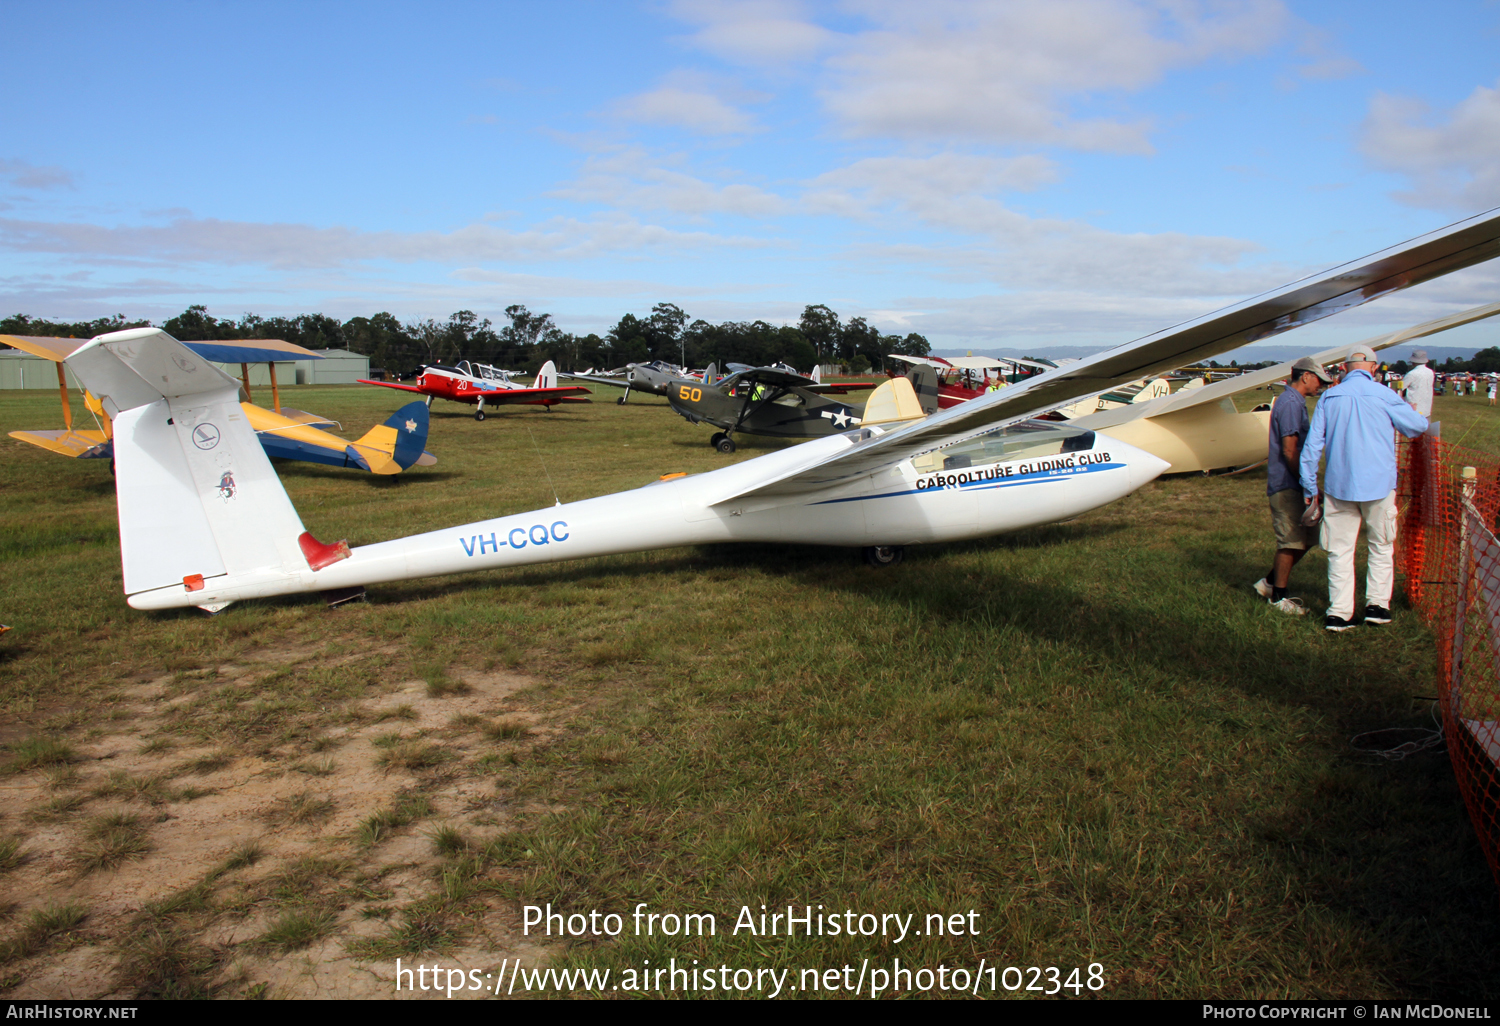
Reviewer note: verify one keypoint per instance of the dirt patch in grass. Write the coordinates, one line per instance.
(245, 861)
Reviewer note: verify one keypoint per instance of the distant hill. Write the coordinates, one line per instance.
(1245, 354)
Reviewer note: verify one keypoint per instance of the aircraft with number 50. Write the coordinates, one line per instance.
(207, 523)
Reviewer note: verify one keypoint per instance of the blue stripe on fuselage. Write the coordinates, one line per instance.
(1035, 477)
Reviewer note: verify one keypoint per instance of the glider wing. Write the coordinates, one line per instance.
(1460, 245)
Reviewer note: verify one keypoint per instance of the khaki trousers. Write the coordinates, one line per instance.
(1339, 533)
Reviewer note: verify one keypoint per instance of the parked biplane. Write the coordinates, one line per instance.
(480, 384)
(784, 404)
(961, 378)
(982, 468)
(284, 433)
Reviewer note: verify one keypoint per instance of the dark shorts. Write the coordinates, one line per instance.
(1286, 520)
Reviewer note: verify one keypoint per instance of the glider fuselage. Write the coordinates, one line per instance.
(914, 502)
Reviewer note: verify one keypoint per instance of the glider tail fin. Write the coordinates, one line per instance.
(894, 400)
(199, 504)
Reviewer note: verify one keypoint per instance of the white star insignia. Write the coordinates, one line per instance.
(840, 418)
(411, 426)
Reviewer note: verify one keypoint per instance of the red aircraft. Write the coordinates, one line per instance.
(483, 384)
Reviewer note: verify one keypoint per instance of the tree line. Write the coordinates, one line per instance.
(528, 339)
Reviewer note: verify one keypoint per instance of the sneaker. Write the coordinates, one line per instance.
(1290, 606)
(1376, 616)
(1263, 588)
(1336, 623)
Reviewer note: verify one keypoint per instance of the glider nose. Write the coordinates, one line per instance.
(1143, 466)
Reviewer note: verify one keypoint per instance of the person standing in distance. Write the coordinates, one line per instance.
(1418, 384)
(1355, 423)
(1289, 423)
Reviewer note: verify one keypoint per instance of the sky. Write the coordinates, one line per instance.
(1011, 174)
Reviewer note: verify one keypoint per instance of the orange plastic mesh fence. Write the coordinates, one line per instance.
(1449, 496)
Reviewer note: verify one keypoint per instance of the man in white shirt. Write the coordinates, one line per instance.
(1418, 384)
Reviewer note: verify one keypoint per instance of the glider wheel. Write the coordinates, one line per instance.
(478, 414)
(884, 555)
(725, 444)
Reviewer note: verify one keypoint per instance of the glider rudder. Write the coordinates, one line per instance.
(199, 503)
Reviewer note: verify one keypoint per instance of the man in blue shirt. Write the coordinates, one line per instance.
(1288, 432)
(1355, 423)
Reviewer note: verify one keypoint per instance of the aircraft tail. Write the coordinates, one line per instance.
(711, 375)
(547, 376)
(199, 503)
(893, 400)
(398, 443)
(817, 374)
(924, 381)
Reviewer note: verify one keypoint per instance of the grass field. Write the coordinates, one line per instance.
(1090, 735)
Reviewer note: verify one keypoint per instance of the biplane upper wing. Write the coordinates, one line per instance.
(1449, 249)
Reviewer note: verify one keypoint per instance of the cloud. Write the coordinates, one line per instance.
(631, 179)
(993, 71)
(209, 240)
(1451, 158)
(24, 175)
(999, 72)
(691, 101)
(954, 193)
(756, 33)
(928, 186)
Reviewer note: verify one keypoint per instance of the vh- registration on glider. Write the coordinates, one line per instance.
(204, 521)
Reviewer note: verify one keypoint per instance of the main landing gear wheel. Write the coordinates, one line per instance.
(478, 414)
(716, 438)
(884, 555)
(724, 444)
(621, 400)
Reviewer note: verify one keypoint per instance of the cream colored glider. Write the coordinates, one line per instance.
(1199, 429)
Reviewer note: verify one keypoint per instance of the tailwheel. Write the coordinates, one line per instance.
(884, 555)
(478, 414)
(725, 444)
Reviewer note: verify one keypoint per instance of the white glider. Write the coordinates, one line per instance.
(204, 521)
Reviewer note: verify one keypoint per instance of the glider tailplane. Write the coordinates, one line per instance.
(199, 504)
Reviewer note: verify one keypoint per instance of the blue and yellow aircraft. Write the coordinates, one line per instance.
(284, 433)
